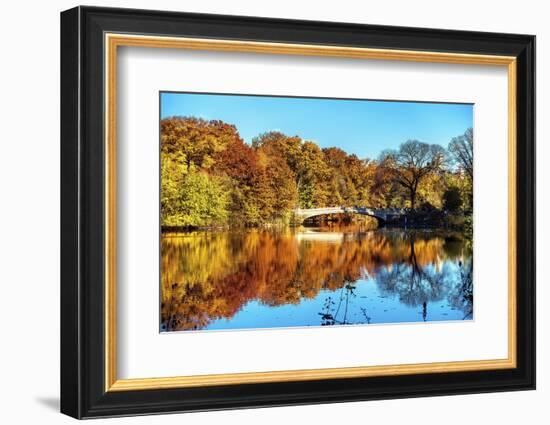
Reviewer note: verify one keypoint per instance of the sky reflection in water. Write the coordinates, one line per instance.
(313, 277)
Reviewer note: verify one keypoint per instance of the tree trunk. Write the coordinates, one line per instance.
(413, 198)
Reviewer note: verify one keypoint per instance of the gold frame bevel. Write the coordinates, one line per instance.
(113, 41)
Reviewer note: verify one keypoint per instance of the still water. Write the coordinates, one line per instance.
(313, 277)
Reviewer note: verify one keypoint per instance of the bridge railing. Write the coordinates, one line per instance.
(359, 209)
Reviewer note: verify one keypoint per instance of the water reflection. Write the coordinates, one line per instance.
(312, 277)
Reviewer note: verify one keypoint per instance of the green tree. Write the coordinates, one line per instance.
(452, 200)
(172, 174)
(201, 201)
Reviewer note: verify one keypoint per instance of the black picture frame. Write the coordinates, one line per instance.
(83, 392)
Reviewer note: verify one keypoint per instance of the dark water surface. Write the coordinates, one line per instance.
(313, 277)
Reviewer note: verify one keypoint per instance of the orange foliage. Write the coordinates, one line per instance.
(212, 275)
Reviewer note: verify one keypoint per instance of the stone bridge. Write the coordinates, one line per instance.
(381, 214)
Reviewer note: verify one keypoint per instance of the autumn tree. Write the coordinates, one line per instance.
(336, 161)
(189, 195)
(431, 189)
(350, 178)
(304, 159)
(384, 191)
(311, 174)
(239, 163)
(277, 192)
(264, 181)
(358, 177)
(195, 140)
(323, 177)
(412, 163)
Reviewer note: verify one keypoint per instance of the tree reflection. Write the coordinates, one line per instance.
(462, 295)
(206, 276)
(419, 285)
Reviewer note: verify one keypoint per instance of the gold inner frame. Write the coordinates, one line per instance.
(113, 41)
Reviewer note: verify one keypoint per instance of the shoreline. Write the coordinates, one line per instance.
(278, 227)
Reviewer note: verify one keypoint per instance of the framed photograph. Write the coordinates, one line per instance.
(261, 212)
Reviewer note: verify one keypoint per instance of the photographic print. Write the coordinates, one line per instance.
(280, 212)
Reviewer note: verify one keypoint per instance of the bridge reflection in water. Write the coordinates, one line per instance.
(305, 277)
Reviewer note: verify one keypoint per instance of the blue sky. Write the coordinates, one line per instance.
(363, 127)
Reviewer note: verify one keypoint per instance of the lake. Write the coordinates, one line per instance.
(340, 275)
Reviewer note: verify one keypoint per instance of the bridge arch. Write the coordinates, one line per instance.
(381, 221)
(381, 215)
